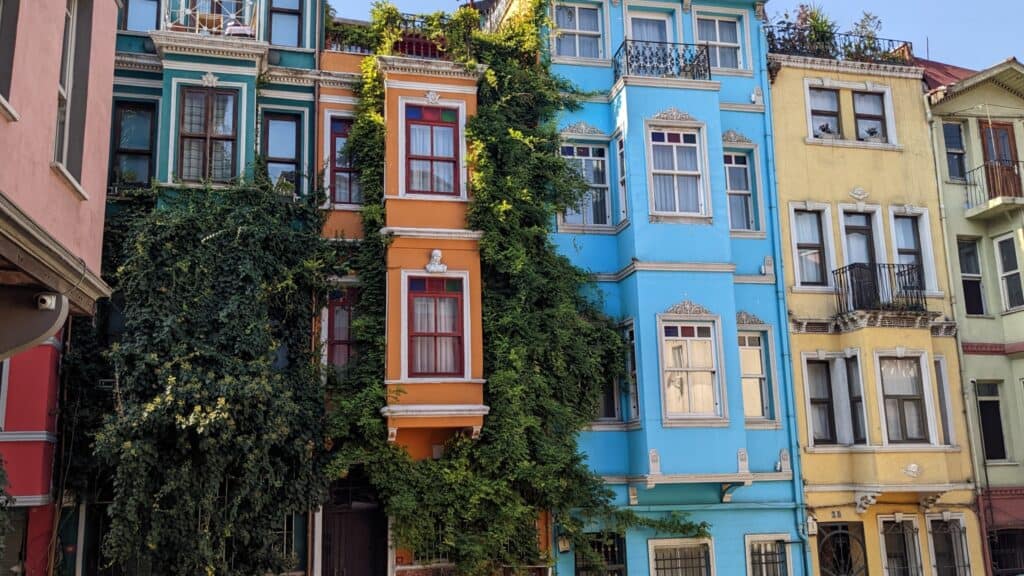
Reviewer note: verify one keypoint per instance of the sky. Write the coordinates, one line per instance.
(975, 34)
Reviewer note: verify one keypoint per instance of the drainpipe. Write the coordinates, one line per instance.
(783, 313)
(965, 392)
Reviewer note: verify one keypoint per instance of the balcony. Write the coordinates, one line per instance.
(229, 18)
(416, 41)
(879, 288)
(662, 60)
(994, 188)
(798, 41)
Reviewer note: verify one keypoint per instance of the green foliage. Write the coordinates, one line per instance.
(548, 349)
(217, 429)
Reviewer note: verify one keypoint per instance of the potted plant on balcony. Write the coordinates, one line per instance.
(873, 134)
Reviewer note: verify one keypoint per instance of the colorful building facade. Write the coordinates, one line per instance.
(977, 132)
(884, 444)
(679, 231)
(434, 350)
(56, 66)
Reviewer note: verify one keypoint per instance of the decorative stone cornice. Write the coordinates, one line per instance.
(291, 76)
(582, 128)
(828, 65)
(338, 80)
(735, 137)
(138, 62)
(745, 318)
(429, 67)
(214, 46)
(673, 114)
(688, 308)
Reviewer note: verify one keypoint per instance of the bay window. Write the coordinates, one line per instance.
(690, 369)
(676, 172)
(207, 135)
(435, 327)
(835, 391)
(823, 421)
(432, 162)
(594, 208)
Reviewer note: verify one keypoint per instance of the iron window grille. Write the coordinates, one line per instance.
(691, 559)
(841, 550)
(768, 558)
(902, 555)
(610, 548)
(949, 546)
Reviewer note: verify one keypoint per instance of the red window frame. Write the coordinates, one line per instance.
(435, 289)
(344, 299)
(453, 159)
(340, 128)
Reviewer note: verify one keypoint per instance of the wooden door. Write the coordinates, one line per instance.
(1002, 172)
(355, 541)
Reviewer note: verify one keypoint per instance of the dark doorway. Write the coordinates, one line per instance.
(355, 530)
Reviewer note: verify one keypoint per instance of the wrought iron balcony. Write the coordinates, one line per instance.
(662, 60)
(235, 18)
(992, 180)
(416, 40)
(801, 41)
(879, 287)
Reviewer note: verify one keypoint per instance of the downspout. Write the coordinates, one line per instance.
(951, 283)
(800, 510)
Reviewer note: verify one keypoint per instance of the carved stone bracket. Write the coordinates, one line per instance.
(688, 308)
(633, 498)
(864, 500)
(654, 467)
(742, 461)
(927, 501)
(785, 464)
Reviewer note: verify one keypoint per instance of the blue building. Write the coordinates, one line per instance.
(680, 232)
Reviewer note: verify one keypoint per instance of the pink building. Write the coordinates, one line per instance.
(56, 77)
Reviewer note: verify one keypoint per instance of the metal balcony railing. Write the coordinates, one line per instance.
(236, 18)
(994, 179)
(416, 40)
(876, 287)
(662, 60)
(801, 41)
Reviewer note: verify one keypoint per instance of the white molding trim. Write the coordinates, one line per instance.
(5, 375)
(850, 140)
(28, 436)
(842, 414)
(653, 543)
(467, 325)
(749, 539)
(332, 99)
(8, 111)
(740, 107)
(849, 67)
(138, 82)
(286, 95)
(883, 488)
(703, 152)
(33, 500)
(432, 233)
(629, 269)
(825, 209)
(61, 170)
(463, 164)
(241, 123)
(429, 86)
(924, 233)
(720, 382)
(206, 67)
(434, 410)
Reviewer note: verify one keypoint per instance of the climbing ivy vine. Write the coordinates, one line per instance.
(548, 347)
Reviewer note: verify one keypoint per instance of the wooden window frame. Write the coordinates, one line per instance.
(460, 361)
(998, 401)
(209, 137)
(901, 401)
(341, 128)
(966, 277)
(959, 155)
(837, 113)
(453, 160)
(296, 161)
(577, 32)
(273, 11)
(122, 21)
(116, 151)
(917, 253)
(829, 402)
(729, 158)
(880, 118)
(348, 296)
(820, 247)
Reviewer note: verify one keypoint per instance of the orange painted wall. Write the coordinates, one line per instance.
(335, 100)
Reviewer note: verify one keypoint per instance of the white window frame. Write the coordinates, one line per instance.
(899, 517)
(703, 172)
(924, 232)
(652, 11)
(753, 223)
(877, 229)
(830, 251)
(979, 277)
(620, 166)
(721, 415)
(1002, 273)
(601, 143)
(634, 386)
(330, 115)
(604, 22)
(842, 411)
(65, 87)
(939, 362)
(892, 137)
(741, 17)
(753, 153)
(460, 106)
(947, 517)
(749, 539)
(885, 113)
(926, 368)
(467, 325)
(768, 350)
(654, 543)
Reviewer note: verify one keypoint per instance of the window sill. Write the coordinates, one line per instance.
(872, 448)
(576, 61)
(435, 380)
(842, 143)
(812, 289)
(760, 424)
(957, 182)
(980, 316)
(934, 294)
(298, 49)
(711, 422)
(679, 219)
(606, 229)
(70, 180)
(732, 72)
(345, 207)
(8, 111)
(1012, 311)
(434, 197)
(752, 234)
(612, 426)
(1001, 463)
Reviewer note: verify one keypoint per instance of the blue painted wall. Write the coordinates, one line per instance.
(646, 265)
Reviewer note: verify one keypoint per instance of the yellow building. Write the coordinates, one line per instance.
(886, 461)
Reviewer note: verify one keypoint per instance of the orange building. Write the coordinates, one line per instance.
(434, 362)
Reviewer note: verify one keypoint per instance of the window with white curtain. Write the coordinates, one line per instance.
(906, 418)
(433, 150)
(690, 372)
(810, 246)
(722, 36)
(835, 392)
(594, 208)
(737, 185)
(757, 395)
(676, 172)
(435, 327)
(578, 32)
